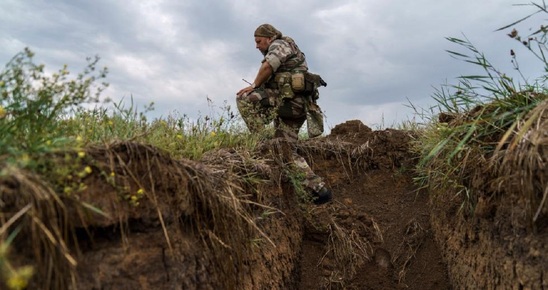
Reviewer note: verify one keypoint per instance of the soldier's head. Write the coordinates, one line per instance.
(264, 35)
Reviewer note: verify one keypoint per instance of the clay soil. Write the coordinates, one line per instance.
(375, 234)
(235, 221)
(407, 256)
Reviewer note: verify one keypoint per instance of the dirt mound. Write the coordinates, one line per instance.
(377, 183)
(496, 235)
(231, 221)
(236, 220)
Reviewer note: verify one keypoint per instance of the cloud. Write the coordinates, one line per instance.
(374, 55)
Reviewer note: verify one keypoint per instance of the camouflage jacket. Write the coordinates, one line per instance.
(284, 55)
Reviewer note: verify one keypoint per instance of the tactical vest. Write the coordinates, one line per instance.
(295, 62)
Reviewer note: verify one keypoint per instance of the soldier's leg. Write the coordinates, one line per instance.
(314, 183)
(290, 119)
(311, 180)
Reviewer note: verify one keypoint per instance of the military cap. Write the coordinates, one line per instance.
(267, 30)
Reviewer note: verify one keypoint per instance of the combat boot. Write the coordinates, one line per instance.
(324, 195)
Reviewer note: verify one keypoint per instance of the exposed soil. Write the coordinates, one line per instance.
(235, 221)
(407, 256)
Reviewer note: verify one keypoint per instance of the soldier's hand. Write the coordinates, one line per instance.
(244, 91)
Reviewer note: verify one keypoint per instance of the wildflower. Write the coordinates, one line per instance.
(213, 133)
(3, 249)
(67, 190)
(81, 154)
(2, 112)
(112, 174)
(87, 170)
(179, 136)
(20, 278)
(79, 139)
(24, 160)
(110, 123)
(133, 198)
(17, 282)
(140, 192)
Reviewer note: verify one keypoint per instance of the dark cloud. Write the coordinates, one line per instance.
(376, 57)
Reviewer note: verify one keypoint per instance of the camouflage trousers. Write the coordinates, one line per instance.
(311, 180)
(263, 105)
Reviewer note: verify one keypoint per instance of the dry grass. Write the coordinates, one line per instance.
(46, 227)
(349, 241)
(413, 238)
(209, 200)
(349, 157)
(523, 157)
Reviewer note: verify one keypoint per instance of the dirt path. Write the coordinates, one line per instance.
(399, 212)
(194, 205)
(407, 257)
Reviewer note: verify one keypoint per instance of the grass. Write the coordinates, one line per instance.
(472, 130)
(47, 125)
(486, 122)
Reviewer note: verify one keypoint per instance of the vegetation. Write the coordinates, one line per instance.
(49, 122)
(476, 125)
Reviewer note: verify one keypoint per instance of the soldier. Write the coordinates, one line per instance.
(284, 92)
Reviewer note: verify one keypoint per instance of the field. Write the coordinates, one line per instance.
(96, 196)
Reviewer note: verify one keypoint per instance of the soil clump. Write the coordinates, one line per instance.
(238, 220)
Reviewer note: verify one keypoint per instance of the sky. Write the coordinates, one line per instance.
(379, 58)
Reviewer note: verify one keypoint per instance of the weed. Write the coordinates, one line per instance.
(473, 119)
(34, 103)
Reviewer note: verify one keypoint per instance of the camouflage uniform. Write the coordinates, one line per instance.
(266, 103)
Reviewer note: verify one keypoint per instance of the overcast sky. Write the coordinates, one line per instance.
(376, 56)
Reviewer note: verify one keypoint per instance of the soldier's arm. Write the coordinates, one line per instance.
(265, 71)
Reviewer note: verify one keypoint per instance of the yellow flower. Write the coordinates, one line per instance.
(112, 174)
(88, 170)
(179, 136)
(110, 123)
(81, 154)
(140, 191)
(20, 278)
(79, 139)
(3, 249)
(213, 133)
(17, 282)
(24, 160)
(134, 198)
(2, 112)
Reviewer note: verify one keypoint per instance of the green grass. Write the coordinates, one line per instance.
(42, 113)
(59, 114)
(473, 119)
